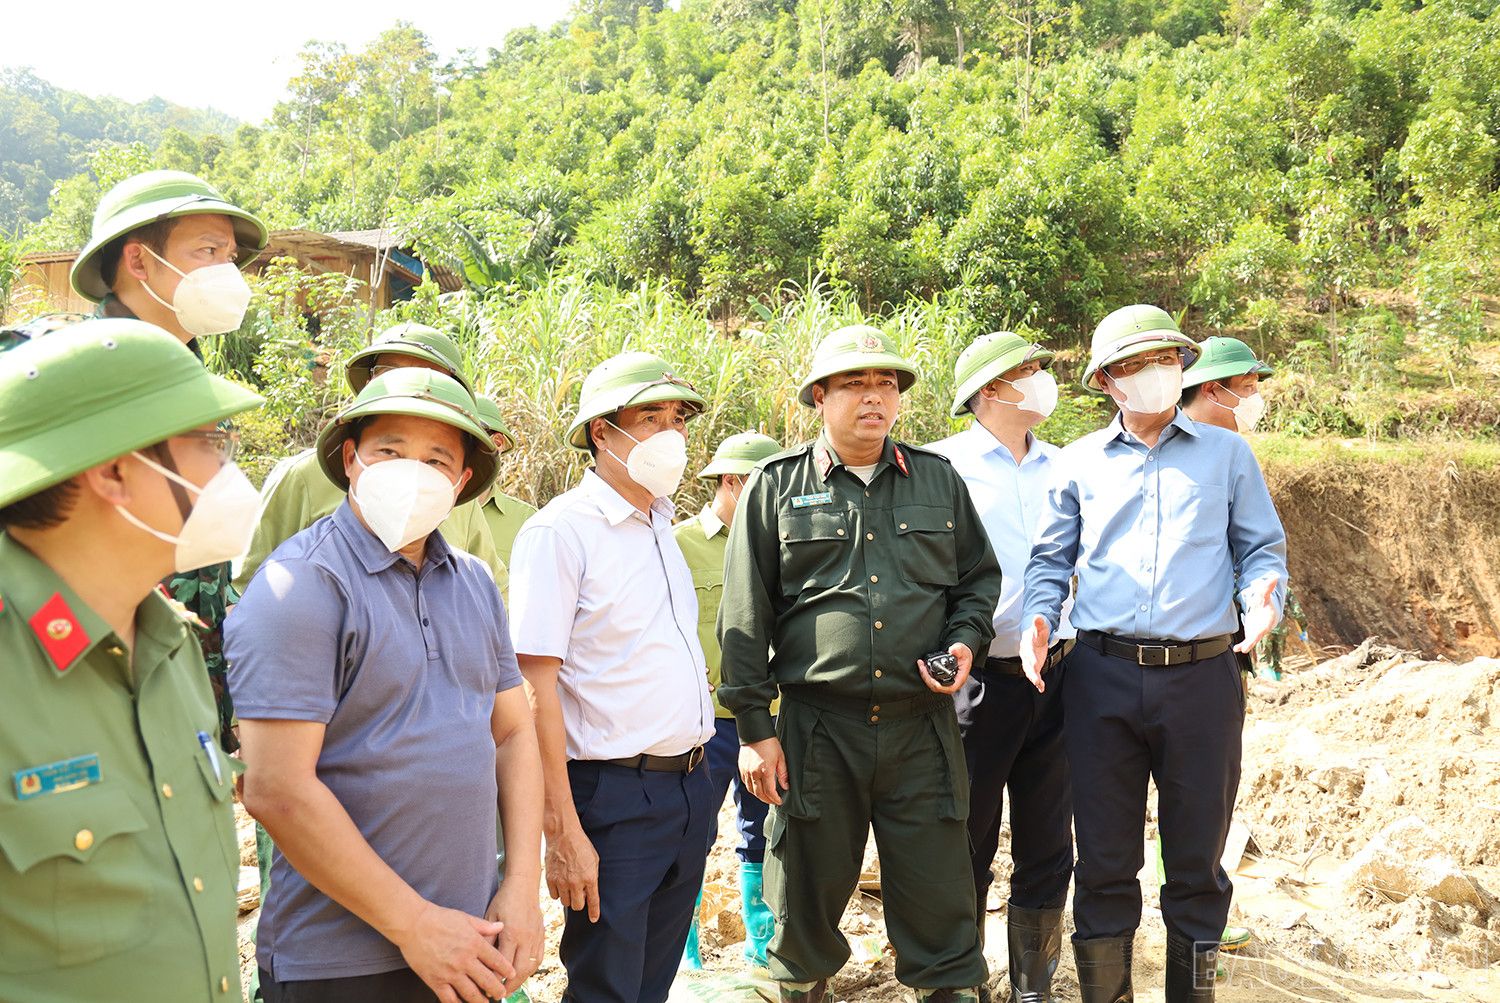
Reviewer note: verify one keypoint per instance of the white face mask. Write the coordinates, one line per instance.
(1152, 390)
(657, 462)
(1247, 413)
(210, 300)
(219, 527)
(402, 500)
(1038, 393)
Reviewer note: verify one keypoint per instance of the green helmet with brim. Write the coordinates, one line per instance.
(97, 390)
(493, 421)
(1134, 330)
(629, 379)
(1221, 358)
(416, 341)
(739, 453)
(420, 393)
(150, 198)
(853, 348)
(989, 356)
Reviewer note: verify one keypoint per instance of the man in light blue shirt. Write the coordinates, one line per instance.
(1157, 516)
(1013, 734)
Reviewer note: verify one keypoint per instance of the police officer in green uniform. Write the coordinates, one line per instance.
(166, 247)
(703, 539)
(504, 514)
(118, 856)
(850, 558)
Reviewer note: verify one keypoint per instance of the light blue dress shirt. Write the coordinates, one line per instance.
(1010, 497)
(1157, 537)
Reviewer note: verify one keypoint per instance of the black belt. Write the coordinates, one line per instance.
(685, 763)
(1012, 666)
(1158, 653)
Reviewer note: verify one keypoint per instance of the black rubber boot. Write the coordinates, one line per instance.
(1190, 973)
(1104, 969)
(1035, 941)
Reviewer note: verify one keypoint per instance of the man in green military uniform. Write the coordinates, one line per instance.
(166, 247)
(851, 558)
(703, 539)
(296, 494)
(503, 514)
(118, 856)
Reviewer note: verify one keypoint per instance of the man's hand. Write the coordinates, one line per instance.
(965, 659)
(573, 871)
(763, 770)
(1034, 651)
(518, 908)
(1260, 618)
(455, 954)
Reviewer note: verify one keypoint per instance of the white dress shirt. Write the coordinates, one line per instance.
(1010, 497)
(596, 584)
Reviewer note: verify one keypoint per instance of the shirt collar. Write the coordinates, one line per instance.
(372, 553)
(983, 443)
(1180, 421)
(825, 459)
(613, 504)
(710, 521)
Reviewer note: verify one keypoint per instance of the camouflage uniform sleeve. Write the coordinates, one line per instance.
(206, 595)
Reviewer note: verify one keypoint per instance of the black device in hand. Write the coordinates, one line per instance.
(942, 666)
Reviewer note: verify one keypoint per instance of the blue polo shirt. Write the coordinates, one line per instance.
(402, 666)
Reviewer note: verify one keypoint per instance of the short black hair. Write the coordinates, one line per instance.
(154, 235)
(47, 509)
(1190, 394)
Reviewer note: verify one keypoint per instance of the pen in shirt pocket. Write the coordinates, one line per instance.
(213, 760)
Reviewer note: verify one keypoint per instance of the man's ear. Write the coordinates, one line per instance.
(107, 480)
(818, 394)
(463, 479)
(133, 259)
(347, 449)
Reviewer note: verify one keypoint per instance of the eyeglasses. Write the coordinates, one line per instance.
(1131, 366)
(225, 441)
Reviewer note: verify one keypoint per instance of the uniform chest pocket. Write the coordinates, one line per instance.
(814, 550)
(76, 879)
(708, 586)
(924, 536)
(1196, 513)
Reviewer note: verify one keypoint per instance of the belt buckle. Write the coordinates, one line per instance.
(695, 757)
(1153, 654)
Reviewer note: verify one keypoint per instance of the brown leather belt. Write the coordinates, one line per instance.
(685, 763)
(1157, 654)
(1012, 666)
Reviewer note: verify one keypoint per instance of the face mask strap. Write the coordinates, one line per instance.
(178, 484)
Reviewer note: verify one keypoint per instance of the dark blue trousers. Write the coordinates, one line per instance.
(1179, 725)
(652, 832)
(749, 811)
(1013, 740)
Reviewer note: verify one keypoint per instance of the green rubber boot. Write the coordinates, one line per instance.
(759, 923)
(692, 961)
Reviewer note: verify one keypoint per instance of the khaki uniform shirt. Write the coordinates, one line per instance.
(505, 516)
(837, 586)
(118, 856)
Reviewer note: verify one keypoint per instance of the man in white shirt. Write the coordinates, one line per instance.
(605, 625)
(1013, 734)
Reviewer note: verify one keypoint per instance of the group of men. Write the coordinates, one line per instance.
(854, 634)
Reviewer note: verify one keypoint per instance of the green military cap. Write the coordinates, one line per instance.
(1133, 330)
(421, 393)
(149, 198)
(493, 421)
(1221, 358)
(417, 341)
(97, 390)
(739, 453)
(858, 346)
(987, 357)
(629, 379)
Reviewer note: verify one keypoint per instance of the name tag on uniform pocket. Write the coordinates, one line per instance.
(808, 501)
(55, 778)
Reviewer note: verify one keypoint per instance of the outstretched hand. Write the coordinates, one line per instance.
(1260, 618)
(1034, 644)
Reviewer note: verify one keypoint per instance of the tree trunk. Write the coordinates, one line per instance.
(958, 40)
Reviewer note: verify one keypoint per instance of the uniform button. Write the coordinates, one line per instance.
(84, 839)
(876, 708)
(166, 790)
(874, 718)
(785, 534)
(116, 650)
(1143, 608)
(224, 984)
(878, 673)
(841, 532)
(197, 884)
(903, 525)
(874, 578)
(879, 626)
(869, 536)
(950, 525)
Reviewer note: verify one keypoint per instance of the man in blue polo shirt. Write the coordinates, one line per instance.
(381, 708)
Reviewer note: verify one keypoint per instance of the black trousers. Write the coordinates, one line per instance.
(400, 986)
(1013, 741)
(1179, 725)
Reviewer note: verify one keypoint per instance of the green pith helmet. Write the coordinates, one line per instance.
(493, 421)
(97, 390)
(415, 340)
(1222, 358)
(148, 198)
(628, 380)
(739, 453)
(989, 356)
(1132, 330)
(857, 346)
(421, 393)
